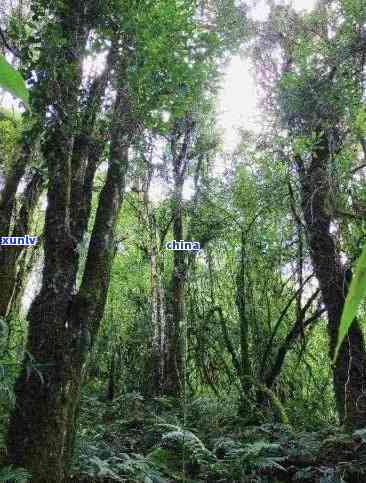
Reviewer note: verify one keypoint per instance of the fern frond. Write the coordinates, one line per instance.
(18, 475)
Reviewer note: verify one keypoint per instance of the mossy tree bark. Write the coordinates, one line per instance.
(154, 380)
(7, 204)
(62, 329)
(180, 145)
(63, 325)
(349, 372)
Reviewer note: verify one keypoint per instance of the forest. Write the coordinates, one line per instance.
(125, 355)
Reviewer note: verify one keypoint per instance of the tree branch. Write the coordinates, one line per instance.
(11, 49)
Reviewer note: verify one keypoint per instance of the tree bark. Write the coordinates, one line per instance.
(155, 362)
(63, 326)
(38, 431)
(29, 263)
(158, 319)
(7, 208)
(10, 189)
(10, 256)
(245, 367)
(173, 377)
(349, 374)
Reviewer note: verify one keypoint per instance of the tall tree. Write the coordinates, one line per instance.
(63, 322)
(319, 79)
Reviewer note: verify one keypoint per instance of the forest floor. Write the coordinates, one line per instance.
(133, 440)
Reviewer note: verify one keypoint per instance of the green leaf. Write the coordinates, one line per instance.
(12, 81)
(356, 293)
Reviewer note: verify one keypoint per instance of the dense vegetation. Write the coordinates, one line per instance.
(121, 360)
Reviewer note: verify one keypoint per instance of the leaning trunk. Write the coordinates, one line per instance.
(8, 193)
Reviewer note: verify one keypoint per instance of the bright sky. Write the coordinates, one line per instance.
(238, 101)
(237, 104)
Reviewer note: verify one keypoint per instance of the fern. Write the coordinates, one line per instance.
(238, 459)
(180, 441)
(10, 474)
(6, 394)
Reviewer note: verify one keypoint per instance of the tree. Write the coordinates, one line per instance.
(314, 108)
(63, 323)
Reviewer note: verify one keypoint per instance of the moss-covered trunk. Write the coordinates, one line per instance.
(245, 366)
(62, 326)
(38, 426)
(349, 372)
(47, 388)
(173, 376)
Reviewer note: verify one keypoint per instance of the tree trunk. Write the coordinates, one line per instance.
(87, 308)
(10, 256)
(39, 428)
(245, 367)
(29, 263)
(87, 152)
(173, 377)
(111, 378)
(155, 364)
(9, 191)
(175, 315)
(43, 424)
(7, 205)
(349, 371)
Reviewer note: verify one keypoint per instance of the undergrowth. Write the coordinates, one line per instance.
(133, 440)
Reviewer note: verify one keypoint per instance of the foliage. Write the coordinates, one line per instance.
(10, 474)
(150, 443)
(356, 294)
(10, 130)
(12, 81)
